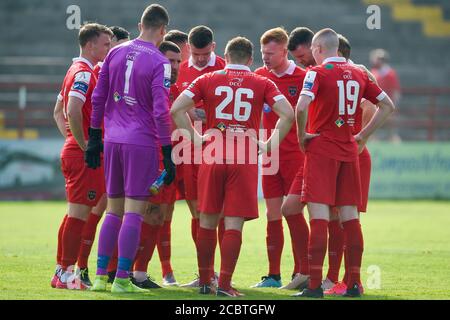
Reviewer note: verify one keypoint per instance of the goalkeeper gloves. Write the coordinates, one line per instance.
(94, 148)
(168, 164)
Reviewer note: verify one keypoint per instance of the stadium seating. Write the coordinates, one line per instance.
(38, 29)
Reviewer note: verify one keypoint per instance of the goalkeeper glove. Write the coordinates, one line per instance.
(94, 148)
(168, 164)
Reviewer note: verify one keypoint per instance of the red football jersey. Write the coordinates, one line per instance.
(289, 83)
(337, 88)
(189, 72)
(233, 101)
(80, 81)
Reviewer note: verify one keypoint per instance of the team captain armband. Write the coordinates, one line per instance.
(80, 85)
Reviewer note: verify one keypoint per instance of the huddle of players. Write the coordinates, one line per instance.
(215, 192)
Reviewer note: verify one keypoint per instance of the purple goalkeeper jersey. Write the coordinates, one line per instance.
(132, 95)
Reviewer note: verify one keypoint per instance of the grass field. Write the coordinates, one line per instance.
(409, 241)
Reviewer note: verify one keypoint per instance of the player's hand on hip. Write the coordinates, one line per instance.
(305, 139)
(169, 166)
(94, 149)
(361, 142)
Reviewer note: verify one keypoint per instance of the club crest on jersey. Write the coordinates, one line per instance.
(91, 195)
(339, 122)
(266, 108)
(292, 91)
(117, 97)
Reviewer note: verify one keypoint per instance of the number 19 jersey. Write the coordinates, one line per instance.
(336, 88)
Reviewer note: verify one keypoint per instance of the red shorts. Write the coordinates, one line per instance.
(297, 183)
(231, 188)
(279, 184)
(332, 182)
(83, 185)
(190, 173)
(365, 165)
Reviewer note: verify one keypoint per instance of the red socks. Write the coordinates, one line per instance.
(60, 235)
(335, 249)
(147, 244)
(221, 231)
(206, 247)
(231, 246)
(299, 231)
(164, 248)
(274, 242)
(354, 246)
(317, 251)
(195, 224)
(87, 240)
(71, 240)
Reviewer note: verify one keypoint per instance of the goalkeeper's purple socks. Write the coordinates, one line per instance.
(107, 241)
(129, 237)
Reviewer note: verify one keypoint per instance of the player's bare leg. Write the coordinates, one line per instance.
(349, 217)
(292, 210)
(206, 248)
(319, 216)
(164, 245)
(151, 226)
(87, 239)
(274, 243)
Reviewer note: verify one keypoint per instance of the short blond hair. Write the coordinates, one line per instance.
(278, 35)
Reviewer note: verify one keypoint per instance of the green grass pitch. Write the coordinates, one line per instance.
(407, 241)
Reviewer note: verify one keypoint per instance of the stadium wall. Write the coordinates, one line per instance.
(30, 170)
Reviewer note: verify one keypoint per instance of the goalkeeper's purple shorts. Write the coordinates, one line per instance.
(130, 170)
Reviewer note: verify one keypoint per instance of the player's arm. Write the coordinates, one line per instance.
(284, 111)
(301, 116)
(385, 107)
(58, 115)
(75, 118)
(160, 93)
(98, 99)
(179, 112)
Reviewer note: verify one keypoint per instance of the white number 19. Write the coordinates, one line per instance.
(350, 93)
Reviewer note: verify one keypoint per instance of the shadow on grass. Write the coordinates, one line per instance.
(250, 294)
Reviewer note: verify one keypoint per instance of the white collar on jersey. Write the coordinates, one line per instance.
(83, 60)
(211, 62)
(290, 70)
(237, 67)
(334, 59)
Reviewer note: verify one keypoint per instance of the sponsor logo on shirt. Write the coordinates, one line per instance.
(236, 82)
(347, 75)
(309, 80)
(266, 108)
(339, 122)
(329, 66)
(117, 97)
(81, 82)
(81, 87)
